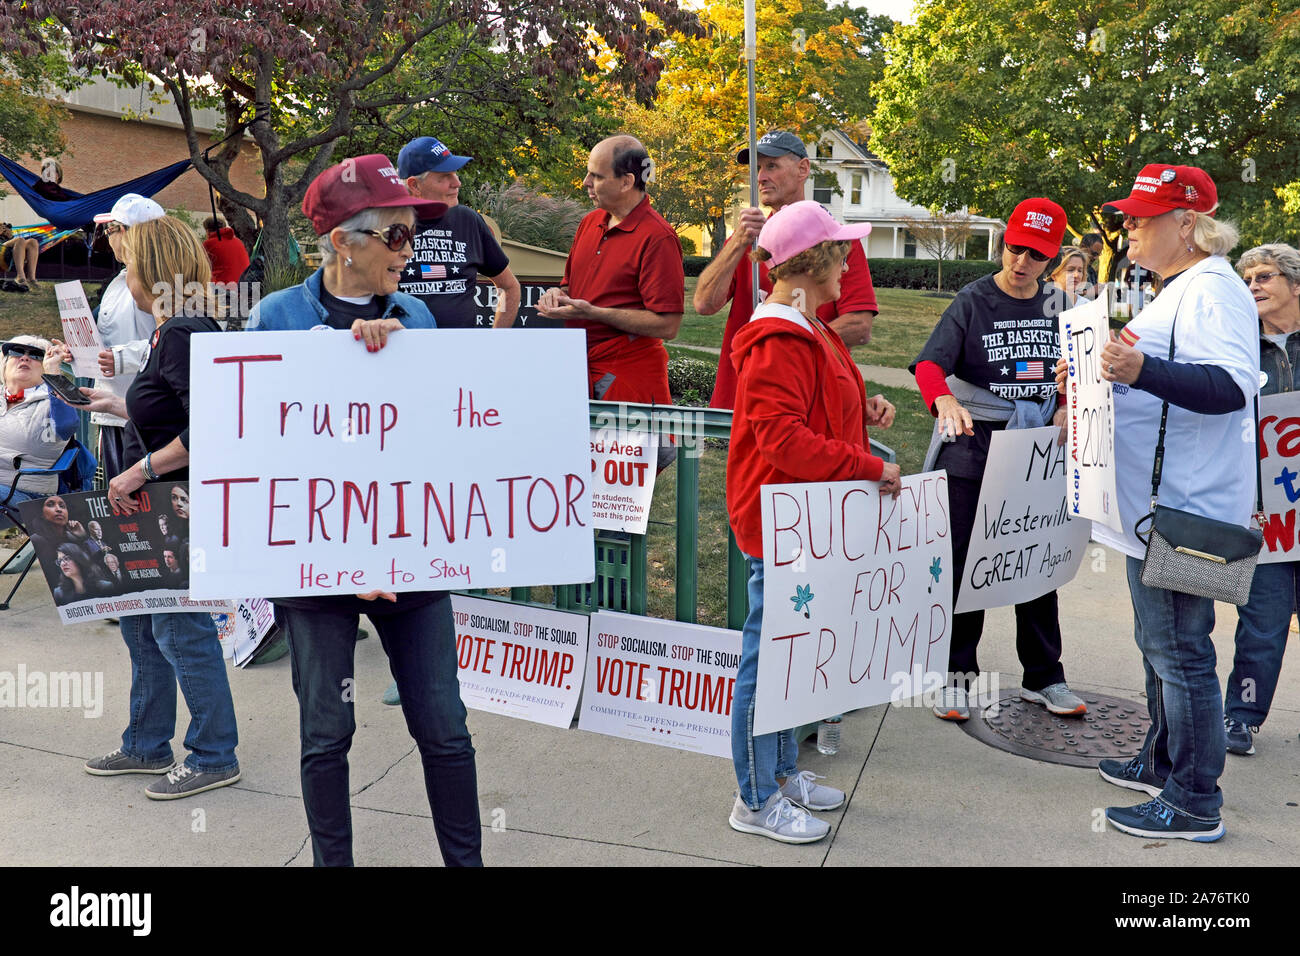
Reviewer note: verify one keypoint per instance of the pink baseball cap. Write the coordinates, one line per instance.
(1161, 187)
(799, 226)
(362, 182)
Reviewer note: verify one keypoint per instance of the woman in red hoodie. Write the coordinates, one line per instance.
(801, 414)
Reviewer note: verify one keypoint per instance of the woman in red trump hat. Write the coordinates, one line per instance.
(363, 214)
(976, 380)
(801, 415)
(1208, 318)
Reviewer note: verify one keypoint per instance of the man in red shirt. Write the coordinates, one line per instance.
(623, 281)
(228, 255)
(783, 168)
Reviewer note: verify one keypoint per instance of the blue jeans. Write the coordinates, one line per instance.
(167, 649)
(1262, 629)
(758, 760)
(1185, 743)
(421, 646)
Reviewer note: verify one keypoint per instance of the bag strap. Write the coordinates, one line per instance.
(1159, 464)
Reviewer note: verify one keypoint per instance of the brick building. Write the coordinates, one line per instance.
(118, 134)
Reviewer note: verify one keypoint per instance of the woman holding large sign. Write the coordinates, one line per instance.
(363, 215)
(168, 275)
(1272, 275)
(801, 414)
(1194, 368)
(987, 366)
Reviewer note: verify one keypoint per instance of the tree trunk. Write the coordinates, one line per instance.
(275, 248)
(719, 233)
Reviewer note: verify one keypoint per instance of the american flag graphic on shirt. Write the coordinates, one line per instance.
(432, 272)
(1029, 371)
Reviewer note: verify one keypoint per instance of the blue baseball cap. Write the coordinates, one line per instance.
(427, 155)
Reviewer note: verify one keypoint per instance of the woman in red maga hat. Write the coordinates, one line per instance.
(976, 382)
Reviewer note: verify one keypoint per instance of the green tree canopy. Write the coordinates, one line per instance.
(985, 103)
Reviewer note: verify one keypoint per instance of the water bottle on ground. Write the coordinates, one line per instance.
(828, 736)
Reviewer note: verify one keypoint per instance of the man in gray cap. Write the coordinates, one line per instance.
(783, 169)
(451, 251)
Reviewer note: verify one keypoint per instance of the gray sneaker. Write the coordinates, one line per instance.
(803, 789)
(110, 765)
(954, 704)
(185, 782)
(779, 819)
(1058, 698)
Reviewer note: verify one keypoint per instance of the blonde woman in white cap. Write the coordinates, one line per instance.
(124, 327)
(35, 425)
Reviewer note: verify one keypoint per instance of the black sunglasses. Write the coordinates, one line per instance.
(1033, 253)
(31, 351)
(394, 237)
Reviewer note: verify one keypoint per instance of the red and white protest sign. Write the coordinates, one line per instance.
(519, 661)
(449, 459)
(661, 682)
(622, 478)
(80, 333)
(1090, 399)
(1279, 465)
(857, 597)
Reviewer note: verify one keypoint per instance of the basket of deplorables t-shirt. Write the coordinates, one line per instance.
(998, 342)
(450, 252)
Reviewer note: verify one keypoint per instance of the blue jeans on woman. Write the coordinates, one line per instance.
(167, 649)
(1185, 744)
(421, 646)
(758, 760)
(1262, 629)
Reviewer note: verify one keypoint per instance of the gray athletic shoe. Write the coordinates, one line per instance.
(185, 782)
(954, 704)
(110, 765)
(803, 789)
(779, 819)
(1058, 698)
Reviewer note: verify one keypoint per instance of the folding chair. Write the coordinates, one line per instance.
(76, 471)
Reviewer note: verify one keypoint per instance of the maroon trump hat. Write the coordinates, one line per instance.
(357, 183)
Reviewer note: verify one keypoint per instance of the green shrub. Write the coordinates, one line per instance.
(688, 246)
(695, 264)
(691, 381)
(924, 273)
(530, 217)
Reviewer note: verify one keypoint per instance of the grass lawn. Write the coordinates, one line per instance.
(30, 313)
(906, 318)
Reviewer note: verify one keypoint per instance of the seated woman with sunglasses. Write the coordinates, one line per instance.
(35, 424)
(988, 365)
(363, 214)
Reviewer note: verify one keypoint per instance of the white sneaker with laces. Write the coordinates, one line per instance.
(779, 819)
(802, 788)
(953, 705)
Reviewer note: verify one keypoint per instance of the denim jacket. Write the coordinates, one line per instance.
(299, 307)
(1281, 366)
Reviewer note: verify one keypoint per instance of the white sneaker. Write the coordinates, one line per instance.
(953, 705)
(803, 789)
(779, 819)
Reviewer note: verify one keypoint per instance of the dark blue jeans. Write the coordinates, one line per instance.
(421, 648)
(1263, 626)
(1185, 743)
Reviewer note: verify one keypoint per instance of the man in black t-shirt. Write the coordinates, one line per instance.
(451, 251)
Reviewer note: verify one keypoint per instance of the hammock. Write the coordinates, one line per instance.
(81, 209)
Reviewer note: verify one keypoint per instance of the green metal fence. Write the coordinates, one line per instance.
(620, 583)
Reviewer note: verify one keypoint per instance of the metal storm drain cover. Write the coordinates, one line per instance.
(1113, 727)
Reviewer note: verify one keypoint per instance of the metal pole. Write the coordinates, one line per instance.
(751, 54)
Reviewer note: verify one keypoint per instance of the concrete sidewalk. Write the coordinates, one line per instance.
(921, 792)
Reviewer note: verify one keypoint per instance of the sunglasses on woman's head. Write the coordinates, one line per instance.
(31, 351)
(1033, 253)
(394, 237)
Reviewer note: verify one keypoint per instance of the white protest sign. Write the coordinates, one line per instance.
(857, 597)
(254, 619)
(80, 333)
(1085, 329)
(622, 478)
(661, 682)
(1279, 463)
(449, 459)
(1024, 543)
(519, 661)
